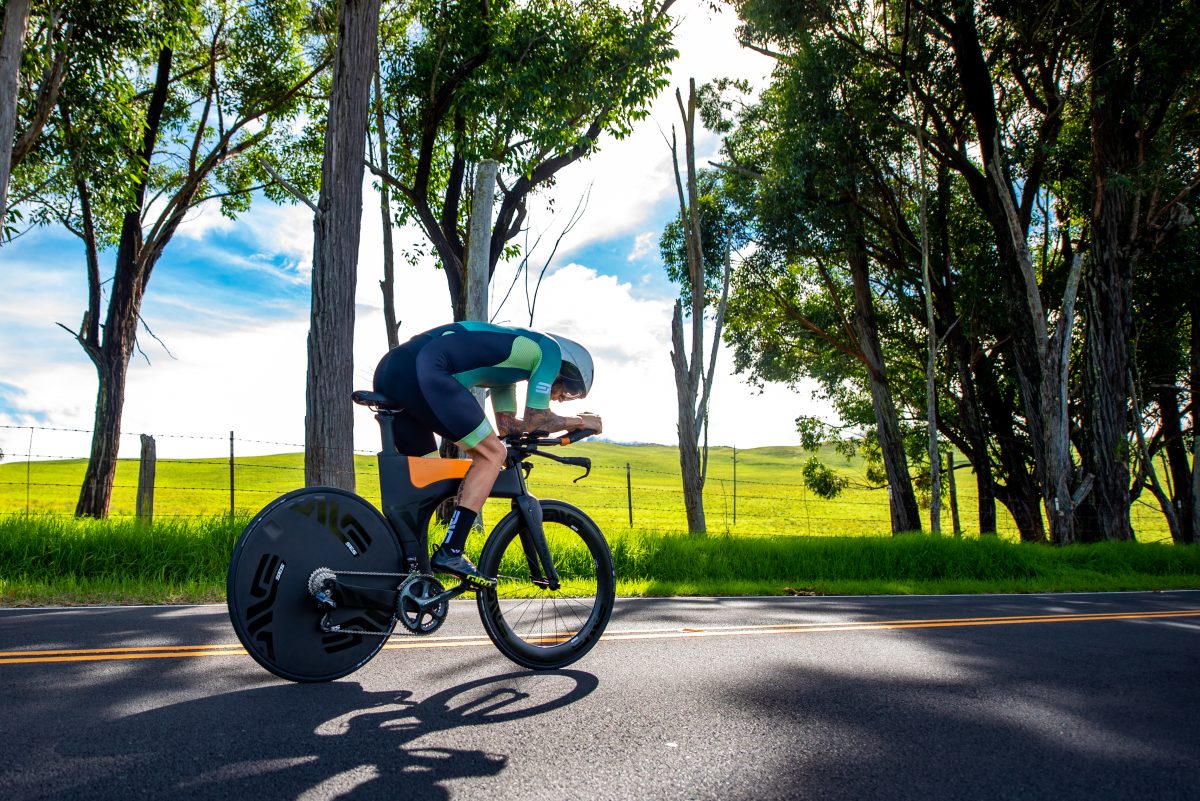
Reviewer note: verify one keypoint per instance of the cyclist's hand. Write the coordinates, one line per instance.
(589, 420)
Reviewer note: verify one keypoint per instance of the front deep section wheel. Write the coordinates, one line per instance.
(535, 626)
(272, 610)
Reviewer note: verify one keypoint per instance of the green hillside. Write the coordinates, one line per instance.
(769, 497)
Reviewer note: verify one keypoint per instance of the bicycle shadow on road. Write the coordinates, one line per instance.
(333, 740)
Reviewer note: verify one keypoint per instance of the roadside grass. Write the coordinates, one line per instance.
(51, 560)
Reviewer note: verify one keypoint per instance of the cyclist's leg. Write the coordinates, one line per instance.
(453, 412)
(487, 460)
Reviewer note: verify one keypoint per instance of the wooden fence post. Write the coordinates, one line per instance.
(953, 493)
(231, 484)
(145, 490)
(629, 493)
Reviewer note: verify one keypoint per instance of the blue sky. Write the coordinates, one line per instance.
(230, 301)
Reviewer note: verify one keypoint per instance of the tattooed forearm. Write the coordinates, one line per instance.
(548, 421)
(507, 423)
(543, 420)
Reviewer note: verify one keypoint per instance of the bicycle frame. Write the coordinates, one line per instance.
(412, 487)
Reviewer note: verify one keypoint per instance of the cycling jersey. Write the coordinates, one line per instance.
(431, 376)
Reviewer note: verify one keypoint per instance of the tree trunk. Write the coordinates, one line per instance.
(689, 449)
(337, 225)
(1177, 462)
(96, 492)
(1021, 494)
(962, 351)
(12, 42)
(1115, 148)
(1105, 444)
(1195, 393)
(901, 498)
(388, 284)
(955, 523)
(479, 241)
(931, 344)
(1024, 503)
(693, 384)
(981, 461)
(1105, 447)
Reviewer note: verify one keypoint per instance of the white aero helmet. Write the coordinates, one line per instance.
(576, 370)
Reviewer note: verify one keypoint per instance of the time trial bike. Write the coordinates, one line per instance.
(319, 578)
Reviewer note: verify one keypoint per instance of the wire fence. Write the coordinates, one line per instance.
(747, 492)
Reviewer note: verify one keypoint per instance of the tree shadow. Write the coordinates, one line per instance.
(293, 741)
(985, 713)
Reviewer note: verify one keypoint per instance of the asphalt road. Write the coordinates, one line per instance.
(1058, 697)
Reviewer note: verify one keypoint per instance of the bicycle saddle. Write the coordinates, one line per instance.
(375, 400)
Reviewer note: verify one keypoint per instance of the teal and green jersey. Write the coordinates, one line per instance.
(481, 354)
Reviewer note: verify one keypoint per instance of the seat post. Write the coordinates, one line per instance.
(387, 431)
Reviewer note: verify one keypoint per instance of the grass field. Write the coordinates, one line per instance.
(784, 538)
(769, 497)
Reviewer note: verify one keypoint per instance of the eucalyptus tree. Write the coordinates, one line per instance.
(803, 159)
(140, 140)
(1143, 65)
(533, 86)
(697, 250)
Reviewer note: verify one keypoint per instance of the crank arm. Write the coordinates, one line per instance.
(446, 595)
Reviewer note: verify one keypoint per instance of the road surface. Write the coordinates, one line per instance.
(1078, 696)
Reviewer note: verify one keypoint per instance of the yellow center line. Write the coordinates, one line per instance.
(402, 643)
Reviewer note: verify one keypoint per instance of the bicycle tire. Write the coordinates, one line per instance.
(536, 627)
(270, 607)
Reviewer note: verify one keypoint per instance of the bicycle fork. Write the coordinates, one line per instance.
(533, 541)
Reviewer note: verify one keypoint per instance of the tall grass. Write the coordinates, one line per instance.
(55, 560)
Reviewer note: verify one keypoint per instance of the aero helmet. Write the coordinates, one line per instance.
(576, 370)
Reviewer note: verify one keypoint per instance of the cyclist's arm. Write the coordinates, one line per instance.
(546, 420)
(508, 423)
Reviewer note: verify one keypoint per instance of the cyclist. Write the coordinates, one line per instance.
(431, 376)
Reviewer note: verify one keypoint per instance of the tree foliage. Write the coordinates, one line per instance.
(146, 127)
(1028, 115)
(532, 85)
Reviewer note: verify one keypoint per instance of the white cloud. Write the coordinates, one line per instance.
(643, 245)
(630, 178)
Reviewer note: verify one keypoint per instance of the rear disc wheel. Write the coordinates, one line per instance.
(270, 605)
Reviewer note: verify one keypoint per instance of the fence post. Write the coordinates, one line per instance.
(629, 493)
(953, 493)
(28, 470)
(735, 485)
(231, 508)
(145, 490)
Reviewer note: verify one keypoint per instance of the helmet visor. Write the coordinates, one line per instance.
(571, 386)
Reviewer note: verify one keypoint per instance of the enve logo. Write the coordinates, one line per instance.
(542, 387)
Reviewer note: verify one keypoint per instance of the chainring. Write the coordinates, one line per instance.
(411, 611)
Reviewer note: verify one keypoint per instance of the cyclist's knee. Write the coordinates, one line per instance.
(489, 450)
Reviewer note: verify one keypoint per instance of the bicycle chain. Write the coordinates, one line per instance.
(403, 630)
